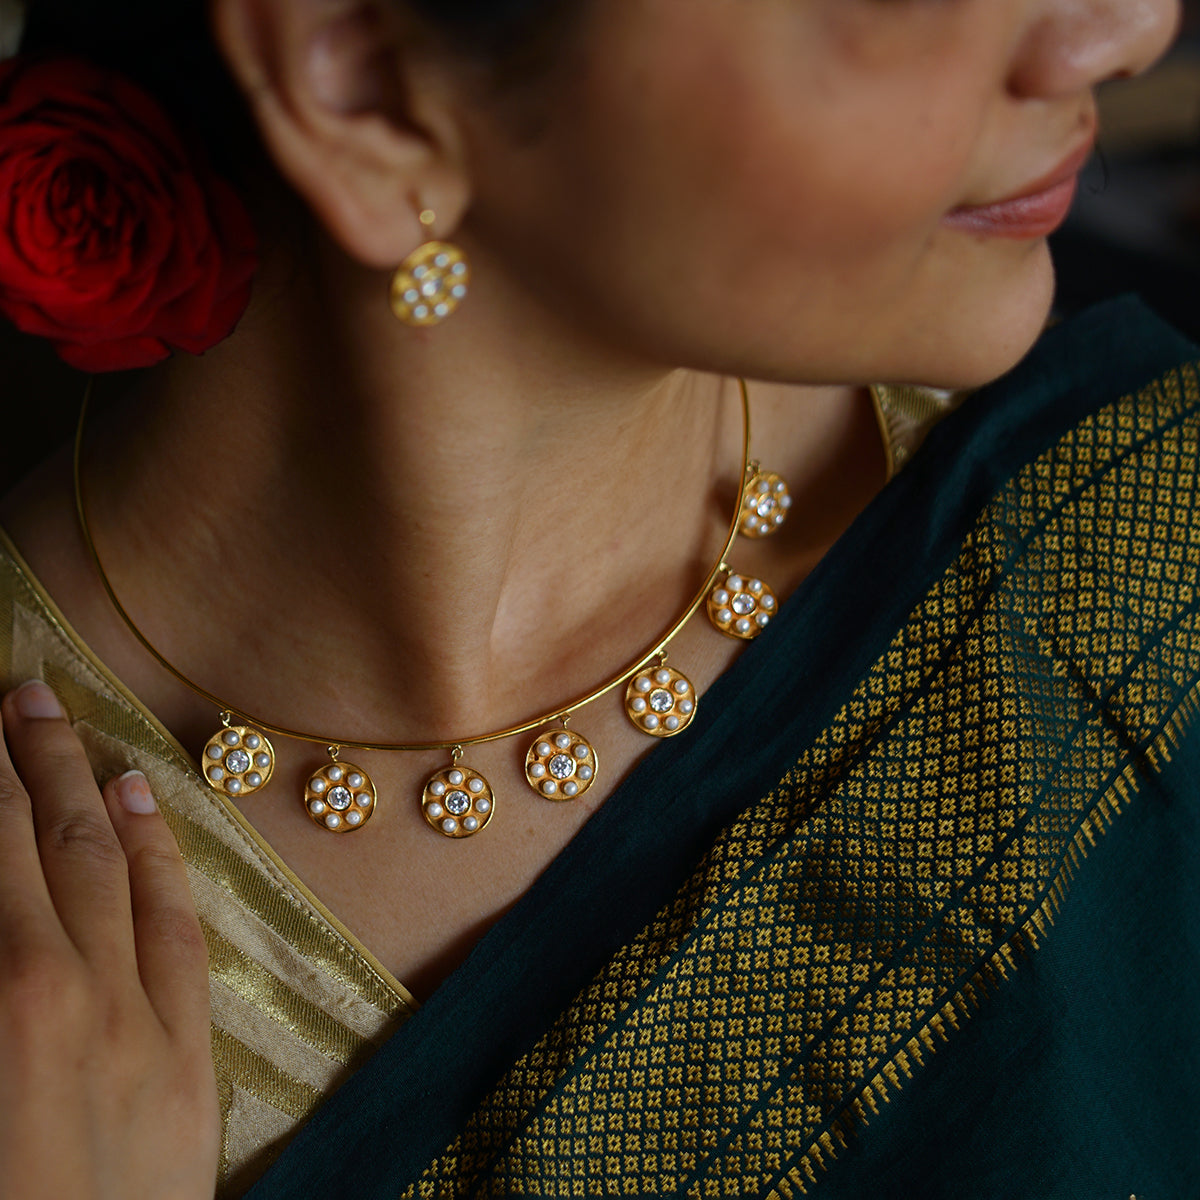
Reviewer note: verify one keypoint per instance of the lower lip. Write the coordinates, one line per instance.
(1035, 216)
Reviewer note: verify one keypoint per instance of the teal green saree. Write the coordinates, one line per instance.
(914, 910)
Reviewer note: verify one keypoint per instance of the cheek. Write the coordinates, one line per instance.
(768, 212)
(846, 172)
(758, 201)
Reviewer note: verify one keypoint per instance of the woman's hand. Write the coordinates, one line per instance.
(106, 1078)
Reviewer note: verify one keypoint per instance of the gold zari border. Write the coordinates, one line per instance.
(314, 1001)
(853, 918)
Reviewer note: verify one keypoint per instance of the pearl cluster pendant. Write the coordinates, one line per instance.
(660, 701)
(741, 607)
(430, 284)
(560, 765)
(237, 760)
(765, 505)
(457, 801)
(339, 797)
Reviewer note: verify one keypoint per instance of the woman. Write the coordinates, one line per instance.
(798, 947)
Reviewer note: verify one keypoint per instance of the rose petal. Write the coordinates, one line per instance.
(127, 355)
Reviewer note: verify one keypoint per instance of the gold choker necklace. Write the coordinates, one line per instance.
(560, 764)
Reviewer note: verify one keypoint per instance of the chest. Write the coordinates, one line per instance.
(419, 900)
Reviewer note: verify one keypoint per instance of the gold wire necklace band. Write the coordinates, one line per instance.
(560, 713)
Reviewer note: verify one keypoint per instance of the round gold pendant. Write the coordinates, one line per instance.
(430, 284)
(560, 765)
(458, 802)
(660, 701)
(238, 760)
(765, 506)
(740, 607)
(340, 797)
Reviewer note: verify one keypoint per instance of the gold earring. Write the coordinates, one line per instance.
(431, 282)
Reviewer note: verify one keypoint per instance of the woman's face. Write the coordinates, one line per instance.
(793, 188)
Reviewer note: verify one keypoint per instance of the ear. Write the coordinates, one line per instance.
(356, 111)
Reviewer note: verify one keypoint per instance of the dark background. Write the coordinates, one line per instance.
(1136, 227)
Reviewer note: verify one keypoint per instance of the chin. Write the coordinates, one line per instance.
(981, 331)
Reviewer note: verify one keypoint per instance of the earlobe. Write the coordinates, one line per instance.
(355, 116)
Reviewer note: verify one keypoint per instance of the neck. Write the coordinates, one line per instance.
(455, 538)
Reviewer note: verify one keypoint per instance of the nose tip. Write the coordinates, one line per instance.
(1076, 44)
(1152, 35)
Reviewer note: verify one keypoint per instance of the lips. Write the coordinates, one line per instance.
(1034, 212)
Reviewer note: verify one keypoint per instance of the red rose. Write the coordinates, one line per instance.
(115, 242)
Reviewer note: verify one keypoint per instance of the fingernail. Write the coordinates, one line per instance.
(133, 791)
(35, 700)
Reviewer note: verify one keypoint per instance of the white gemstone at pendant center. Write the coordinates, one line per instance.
(340, 798)
(562, 766)
(661, 701)
(458, 803)
(743, 604)
(237, 761)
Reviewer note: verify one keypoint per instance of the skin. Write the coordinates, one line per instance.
(697, 189)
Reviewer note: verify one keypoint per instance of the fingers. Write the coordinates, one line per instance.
(28, 921)
(172, 957)
(106, 1076)
(105, 867)
(81, 859)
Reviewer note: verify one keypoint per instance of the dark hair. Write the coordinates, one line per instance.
(165, 46)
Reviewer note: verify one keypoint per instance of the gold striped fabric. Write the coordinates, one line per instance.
(296, 1002)
(906, 415)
